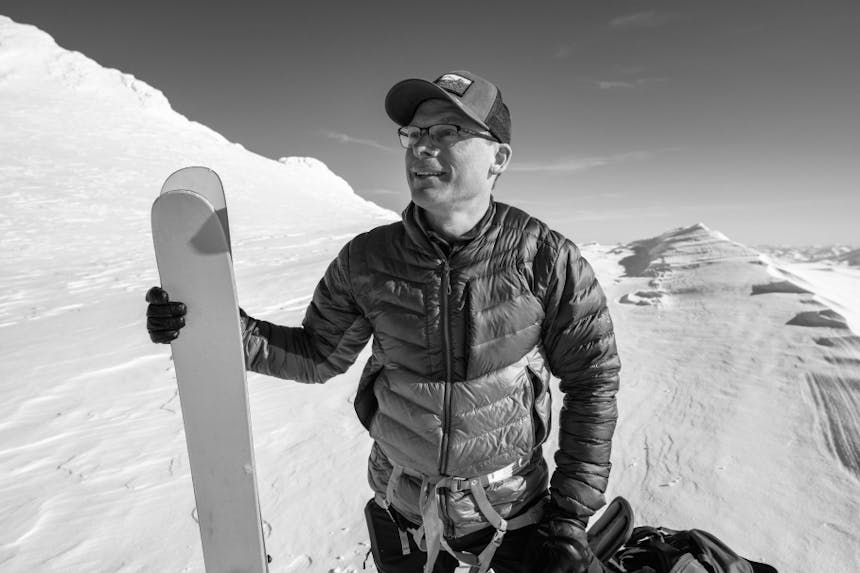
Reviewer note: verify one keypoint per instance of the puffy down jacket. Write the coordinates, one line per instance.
(465, 340)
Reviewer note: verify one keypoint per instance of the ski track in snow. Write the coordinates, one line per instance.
(739, 394)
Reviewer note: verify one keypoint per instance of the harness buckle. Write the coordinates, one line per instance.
(457, 484)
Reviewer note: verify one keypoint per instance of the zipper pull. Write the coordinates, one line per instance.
(446, 277)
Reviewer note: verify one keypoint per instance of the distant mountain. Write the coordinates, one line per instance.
(836, 253)
(696, 245)
(851, 258)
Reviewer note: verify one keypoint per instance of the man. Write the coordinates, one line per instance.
(472, 304)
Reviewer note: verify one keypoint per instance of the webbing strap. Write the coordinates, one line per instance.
(460, 484)
(430, 535)
(404, 542)
(480, 495)
(431, 524)
(417, 534)
(479, 563)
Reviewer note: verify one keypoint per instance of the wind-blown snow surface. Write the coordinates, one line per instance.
(740, 388)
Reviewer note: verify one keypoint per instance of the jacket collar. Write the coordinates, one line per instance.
(419, 230)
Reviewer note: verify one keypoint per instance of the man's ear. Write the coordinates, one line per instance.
(501, 159)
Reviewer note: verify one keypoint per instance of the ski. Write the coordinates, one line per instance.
(193, 254)
(205, 182)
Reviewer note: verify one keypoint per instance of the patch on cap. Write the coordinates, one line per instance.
(454, 83)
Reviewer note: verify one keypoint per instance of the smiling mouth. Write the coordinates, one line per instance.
(425, 174)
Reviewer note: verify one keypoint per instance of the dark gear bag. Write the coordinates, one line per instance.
(662, 550)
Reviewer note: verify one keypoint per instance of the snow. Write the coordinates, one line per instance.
(740, 383)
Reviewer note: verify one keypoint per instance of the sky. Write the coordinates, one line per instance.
(628, 117)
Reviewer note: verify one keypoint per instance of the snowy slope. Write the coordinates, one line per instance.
(740, 387)
(740, 401)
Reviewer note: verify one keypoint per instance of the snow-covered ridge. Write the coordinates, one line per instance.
(35, 72)
(705, 252)
(693, 245)
(83, 153)
(33, 67)
(29, 56)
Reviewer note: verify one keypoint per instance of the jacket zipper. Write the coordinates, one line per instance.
(446, 347)
(446, 412)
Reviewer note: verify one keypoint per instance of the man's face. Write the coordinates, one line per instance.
(441, 178)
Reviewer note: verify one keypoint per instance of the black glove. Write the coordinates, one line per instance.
(560, 545)
(163, 318)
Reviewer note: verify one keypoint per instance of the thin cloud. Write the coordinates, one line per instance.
(348, 139)
(575, 164)
(652, 211)
(648, 19)
(628, 84)
(618, 214)
(612, 85)
(691, 211)
(564, 214)
(562, 166)
(554, 202)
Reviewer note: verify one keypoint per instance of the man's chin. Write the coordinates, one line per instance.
(428, 193)
(427, 182)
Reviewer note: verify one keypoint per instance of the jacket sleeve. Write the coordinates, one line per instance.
(332, 334)
(580, 344)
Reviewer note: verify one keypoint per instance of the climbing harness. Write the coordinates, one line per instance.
(429, 536)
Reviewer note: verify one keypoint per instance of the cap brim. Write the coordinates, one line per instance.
(405, 97)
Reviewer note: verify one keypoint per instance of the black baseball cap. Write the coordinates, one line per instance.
(478, 98)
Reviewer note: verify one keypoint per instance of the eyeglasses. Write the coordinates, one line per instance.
(442, 134)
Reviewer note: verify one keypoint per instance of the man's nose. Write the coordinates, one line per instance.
(424, 147)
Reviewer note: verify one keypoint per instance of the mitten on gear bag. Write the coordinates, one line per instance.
(560, 545)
